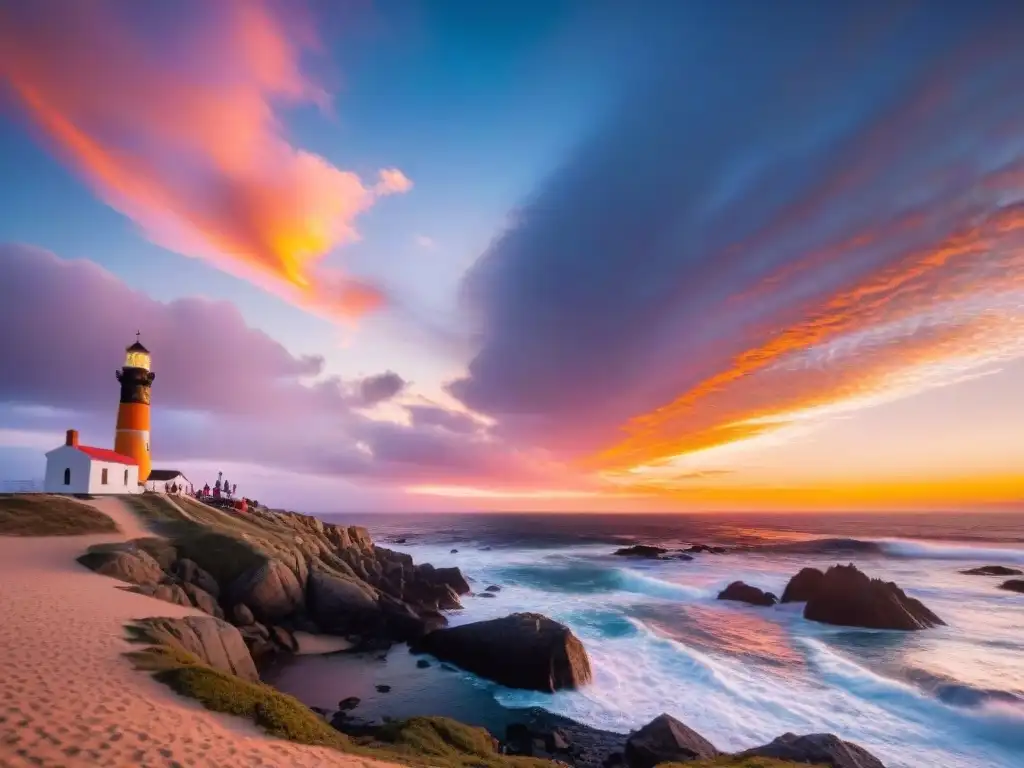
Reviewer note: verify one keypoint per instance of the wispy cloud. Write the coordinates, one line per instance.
(172, 118)
(423, 241)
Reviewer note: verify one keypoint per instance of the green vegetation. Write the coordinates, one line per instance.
(39, 514)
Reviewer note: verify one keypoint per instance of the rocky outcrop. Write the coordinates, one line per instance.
(1013, 585)
(270, 590)
(190, 573)
(744, 593)
(524, 650)
(641, 550)
(993, 570)
(212, 640)
(125, 562)
(169, 593)
(343, 605)
(817, 749)
(707, 548)
(666, 740)
(849, 598)
(802, 587)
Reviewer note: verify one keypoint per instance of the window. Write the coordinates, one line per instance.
(126, 477)
(103, 476)
(67, 476)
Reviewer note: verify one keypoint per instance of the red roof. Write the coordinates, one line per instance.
(105, 454)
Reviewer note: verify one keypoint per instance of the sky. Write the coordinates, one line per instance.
(565, 255)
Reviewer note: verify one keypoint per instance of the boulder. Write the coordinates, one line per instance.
(666, 740)
(487, 594)
(270, 590)
(212, 640)
(744, 593)
(160, 550)
(190, 573)
(993, 570)
(708, 549)
(846, 597)
(284, 639)
(241, 615)
(1013, 585)
(823, 749)
(341, 604)
(802, 587)
(125, 563)
(202, 600)
(422, 664)
(346, 705)
(453, 578)
(493, 588)
(641, 550)
(524, 650)
(169, 593)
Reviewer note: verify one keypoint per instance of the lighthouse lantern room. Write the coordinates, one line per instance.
(131, 437)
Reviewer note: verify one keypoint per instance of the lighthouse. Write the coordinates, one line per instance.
(132, 435)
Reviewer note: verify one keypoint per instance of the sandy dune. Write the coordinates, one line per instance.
(69, 698)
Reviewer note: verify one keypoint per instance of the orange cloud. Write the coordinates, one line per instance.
(933, 316)
(175, 126)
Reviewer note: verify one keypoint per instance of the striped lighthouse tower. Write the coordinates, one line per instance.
(132, 435)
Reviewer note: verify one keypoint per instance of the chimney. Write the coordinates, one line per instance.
(72, 439)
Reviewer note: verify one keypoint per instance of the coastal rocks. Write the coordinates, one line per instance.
(524, 650)
(487, 594)
(1013, 585)
(744, 593)
(993, 570)
(666, 740)
(696, 548)
(422, 664)
(493, 588)
(348, 704)
(816, 749)
(802, 587)
(847, 597)
(202, 600)
(169, 593)
(641, 550)
(212, 640)
(270, 590)
(190, 573)
(241, 615)
(451, 577)
(123, 562)
(159, 549)
(339, 604)
(647, 552)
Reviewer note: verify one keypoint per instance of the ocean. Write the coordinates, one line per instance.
(659, 641)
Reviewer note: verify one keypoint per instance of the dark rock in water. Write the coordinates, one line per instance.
(324, 713)
(548, 736)
(993, 570)
(493, 588)
(455, 552)
(641, 550)
(697, 548)
(486, 594)
(453, 578)
(678, 556)
(486, 549)
(524, 650)
(849, 598)
(348, 704)
(666, 740)
(355, 726)
(383, 689)
(422, 664)
(399, 541)
(284, 639)
(271, 590)
(803, 586)
(745, 593)
(1013, 585)
(817, 749)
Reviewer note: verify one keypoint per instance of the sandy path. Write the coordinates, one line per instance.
(69, 698)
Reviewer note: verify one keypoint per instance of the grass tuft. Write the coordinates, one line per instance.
(42, 514)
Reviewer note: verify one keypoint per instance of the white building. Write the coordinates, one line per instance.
(168, 481)
(74, 468)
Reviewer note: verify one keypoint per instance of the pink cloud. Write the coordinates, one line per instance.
(174, 122)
